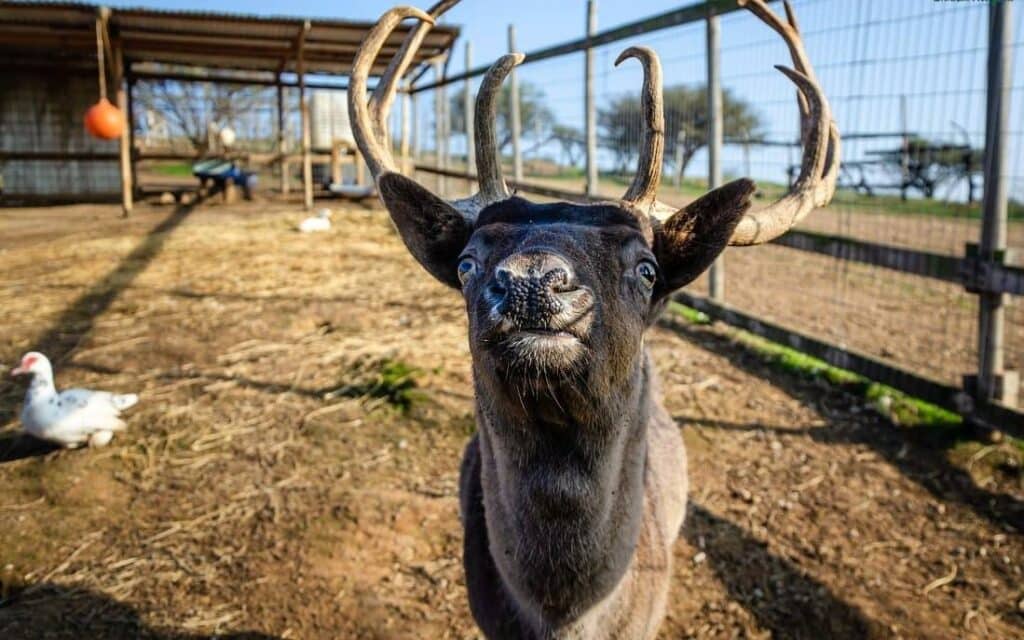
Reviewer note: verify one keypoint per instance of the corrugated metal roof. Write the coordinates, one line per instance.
(63, 30)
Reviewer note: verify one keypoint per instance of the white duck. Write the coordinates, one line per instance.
(73, 417)
(320, 222)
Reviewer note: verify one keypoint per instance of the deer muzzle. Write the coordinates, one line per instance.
(537, 292)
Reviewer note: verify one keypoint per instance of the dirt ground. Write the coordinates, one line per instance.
(279, 478)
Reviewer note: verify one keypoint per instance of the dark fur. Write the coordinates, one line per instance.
(572, 491)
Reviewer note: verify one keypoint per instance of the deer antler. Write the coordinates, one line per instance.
(369, 118)
(819, 137)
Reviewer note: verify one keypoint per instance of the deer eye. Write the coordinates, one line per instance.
(467, 269)
(647, 273)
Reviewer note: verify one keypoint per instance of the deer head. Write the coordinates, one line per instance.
(555, 287)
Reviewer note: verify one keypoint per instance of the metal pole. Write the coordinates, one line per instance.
(415, 128)
(404, 144)
(467, 114)
(590, 106)
(904, 149)
(716, 275)
(439, 127)
(513, 96)
(993, 226)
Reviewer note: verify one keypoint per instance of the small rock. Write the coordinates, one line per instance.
(699, 557)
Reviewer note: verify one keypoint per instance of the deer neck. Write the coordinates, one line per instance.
(562, 477)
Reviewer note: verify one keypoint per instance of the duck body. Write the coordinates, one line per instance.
(69, 418)
(319, 222)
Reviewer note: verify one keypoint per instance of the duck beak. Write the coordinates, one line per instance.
(18, 371)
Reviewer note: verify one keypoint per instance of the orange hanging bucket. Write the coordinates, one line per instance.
(104, 121)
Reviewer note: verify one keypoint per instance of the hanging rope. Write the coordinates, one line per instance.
(100, 58)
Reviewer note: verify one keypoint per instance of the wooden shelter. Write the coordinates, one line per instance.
(50, 50)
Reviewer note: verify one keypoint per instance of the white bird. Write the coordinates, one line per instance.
(73, 417)
(320, 222)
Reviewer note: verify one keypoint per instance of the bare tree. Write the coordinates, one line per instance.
(192, 108)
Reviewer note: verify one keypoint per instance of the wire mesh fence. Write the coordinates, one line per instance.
(907, 84)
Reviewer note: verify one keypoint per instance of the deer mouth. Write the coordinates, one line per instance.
(531, 349)
(541, 350)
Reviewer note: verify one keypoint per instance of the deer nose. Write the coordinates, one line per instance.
(530, 289)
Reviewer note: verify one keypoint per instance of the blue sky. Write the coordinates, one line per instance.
(876, 59)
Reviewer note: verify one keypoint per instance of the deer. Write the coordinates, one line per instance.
(573, 490)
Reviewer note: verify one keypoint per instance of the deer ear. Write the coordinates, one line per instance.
(688, 242)
(434, 232)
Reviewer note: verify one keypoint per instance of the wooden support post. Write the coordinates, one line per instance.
(468, 112)
(130, 123)
(516, 124)
(336, 161)
(307, 160)
(124, 142)
(439, 98)
(716, 274)
(991, 383)
(282, 143)
(589, 104)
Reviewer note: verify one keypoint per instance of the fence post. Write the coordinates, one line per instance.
(716, 274)
(991, 382)
(415, 127)
(467, 114)
(590, 107)
(513, 96)
(281, 145)
(439, 98)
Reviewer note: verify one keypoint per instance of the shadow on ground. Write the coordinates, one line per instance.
(17, 446)
(781, 597)
(78, 319)
(920, 454)
(52, 611)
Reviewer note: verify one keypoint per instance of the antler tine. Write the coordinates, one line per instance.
(375, 152)
(488, 156)
(809, 190)
(801, 100)
(789, 32)
(384, 93)
(643, 190)
(819, 137)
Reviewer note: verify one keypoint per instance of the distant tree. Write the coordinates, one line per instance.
(190, 108)
(686, 110)
(535, 118)
(571, 142)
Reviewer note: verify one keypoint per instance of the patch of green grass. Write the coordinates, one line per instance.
(899, 407)
(392, 381)
(173, 169)
(691, 315)
(930, 424)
